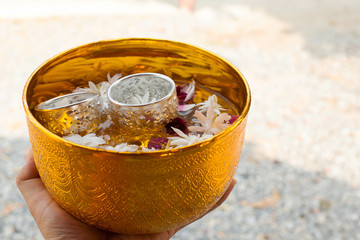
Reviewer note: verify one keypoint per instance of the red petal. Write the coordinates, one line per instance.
(178, 123)
(157, 143)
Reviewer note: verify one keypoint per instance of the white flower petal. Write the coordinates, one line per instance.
(185, 107)
(123, 147)
(202, 119)
(93, 87)
(224, 117)
(189, 90)
(185, 140)
(104, 86)
(89, 140)
(180, 141)
(211, 123)
(145, 149)
(196, 129)
(106, 124)
(179, 132)
(114, 78)
(213, 100)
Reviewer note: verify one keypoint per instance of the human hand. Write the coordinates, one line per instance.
(55, 223)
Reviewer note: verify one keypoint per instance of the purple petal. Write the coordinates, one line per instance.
(157, 143)
(185, 92)
(160, 140)
(233, 119)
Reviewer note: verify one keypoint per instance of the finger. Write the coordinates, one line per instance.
(28, 171)
(224, 196)
(32, 188)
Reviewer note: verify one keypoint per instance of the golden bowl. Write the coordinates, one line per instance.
(142, 192)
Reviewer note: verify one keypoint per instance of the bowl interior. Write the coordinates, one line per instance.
(92, 62)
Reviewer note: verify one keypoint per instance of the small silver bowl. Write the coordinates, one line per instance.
(143, 102)
(72, 113)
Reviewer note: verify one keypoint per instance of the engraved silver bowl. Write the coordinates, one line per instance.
(151, 115)
(71, 113)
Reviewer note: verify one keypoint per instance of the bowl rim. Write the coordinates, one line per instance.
(242, 117)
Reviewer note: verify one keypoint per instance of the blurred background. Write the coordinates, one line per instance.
(299, 174)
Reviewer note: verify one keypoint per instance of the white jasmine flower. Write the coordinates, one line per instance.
(92, 88)
(211, 123)
(114, 78)
(185, 140)
(101, 89)
(89, 140)
(123, 147)
(145, 149)
(189, 90)
(212, 100)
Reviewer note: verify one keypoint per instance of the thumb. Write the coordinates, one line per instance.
(32, 188)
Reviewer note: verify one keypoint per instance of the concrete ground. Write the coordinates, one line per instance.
(299, 175)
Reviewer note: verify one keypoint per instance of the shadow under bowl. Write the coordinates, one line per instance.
(142, 192)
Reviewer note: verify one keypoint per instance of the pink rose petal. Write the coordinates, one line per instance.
(185, 107)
